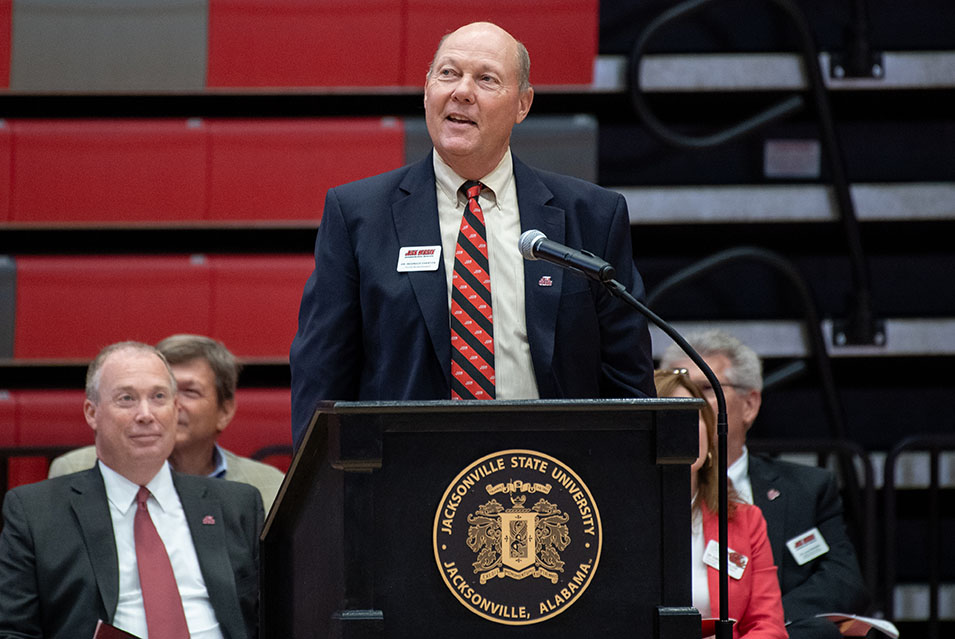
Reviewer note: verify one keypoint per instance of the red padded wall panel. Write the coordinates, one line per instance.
(263, 417)
(52, 418)
(71, 307)
(280, 169)
(6, 151)
(108, 170)
(560, 35)
(40, 418)
(255, 302)
(26, 470)
(304, 43)
(8, 419)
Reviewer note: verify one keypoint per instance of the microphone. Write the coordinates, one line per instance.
(534, 245)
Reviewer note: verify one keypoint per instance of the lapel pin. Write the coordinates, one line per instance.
(772, 494)
(208, 520)
(545, 281)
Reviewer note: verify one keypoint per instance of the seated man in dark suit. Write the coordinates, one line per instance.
(130, 541)
(797, 500)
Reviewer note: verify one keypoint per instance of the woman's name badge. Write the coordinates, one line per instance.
(736, 562)
(419, 258)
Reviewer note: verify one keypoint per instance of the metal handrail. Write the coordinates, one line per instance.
(935, 445)
(861, 326)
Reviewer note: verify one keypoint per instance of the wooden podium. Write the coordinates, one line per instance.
(485, 519)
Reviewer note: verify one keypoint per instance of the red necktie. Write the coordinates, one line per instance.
(165, 617)
(472, 333)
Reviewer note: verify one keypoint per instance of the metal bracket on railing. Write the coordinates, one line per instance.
(870, 64)
(858, 60)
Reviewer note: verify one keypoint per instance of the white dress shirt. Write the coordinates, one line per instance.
(698, 569)
(738, 473)
(167, 515)
(513, 367)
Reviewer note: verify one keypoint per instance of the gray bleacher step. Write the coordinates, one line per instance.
(769, 72)
(905, 337)
(731, 204)
(912, 602)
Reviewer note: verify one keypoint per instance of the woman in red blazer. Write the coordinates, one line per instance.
(754, 596)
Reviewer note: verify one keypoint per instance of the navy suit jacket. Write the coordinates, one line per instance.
(59, 571)
(368, 333)
(805, 497)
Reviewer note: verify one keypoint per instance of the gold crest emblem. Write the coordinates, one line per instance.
(524, 562)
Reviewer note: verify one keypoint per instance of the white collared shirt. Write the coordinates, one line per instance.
(167, 515)
(698, 569)
(738, 473)
(513, 367)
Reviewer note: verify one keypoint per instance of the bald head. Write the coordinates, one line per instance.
(491, 31)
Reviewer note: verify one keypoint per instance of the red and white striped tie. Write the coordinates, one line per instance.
(472, 331)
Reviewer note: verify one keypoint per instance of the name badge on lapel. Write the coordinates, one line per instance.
(807, 546)
(419, 258)
(736, 562)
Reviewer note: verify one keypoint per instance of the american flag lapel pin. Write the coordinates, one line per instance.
(208, 520)
(545, 281)
(772, 494)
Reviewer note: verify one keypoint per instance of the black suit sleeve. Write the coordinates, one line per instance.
(248, 591)
(326, 353)
(625, 351)
(19, 603)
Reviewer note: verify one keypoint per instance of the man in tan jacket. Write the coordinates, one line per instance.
(206, 374)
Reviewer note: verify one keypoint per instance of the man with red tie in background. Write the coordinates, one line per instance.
(420, 291)
(153, 552)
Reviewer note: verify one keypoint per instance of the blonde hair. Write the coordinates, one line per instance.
(707, 480)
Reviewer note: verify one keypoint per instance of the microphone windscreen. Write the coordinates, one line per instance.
(527, 242)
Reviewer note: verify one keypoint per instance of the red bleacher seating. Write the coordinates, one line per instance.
(8, 412)
(108, 170)
(51, 418)
(276, 170)
(255, 301)
(69, 307)
(263, 418)
(170, 171)
(6, 18)
(304, 43)
(380, 43)
(370, 43)
(41, 418)
(6, 154)
(561, 35)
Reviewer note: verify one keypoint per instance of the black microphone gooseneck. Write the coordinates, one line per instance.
(529, 244)
(724, 626)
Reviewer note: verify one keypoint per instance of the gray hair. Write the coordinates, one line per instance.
(95, 371)
(745, 369)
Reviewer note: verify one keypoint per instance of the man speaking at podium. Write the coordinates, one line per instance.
(419, 290)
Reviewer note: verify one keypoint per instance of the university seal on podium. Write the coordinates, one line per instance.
(517, 537)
